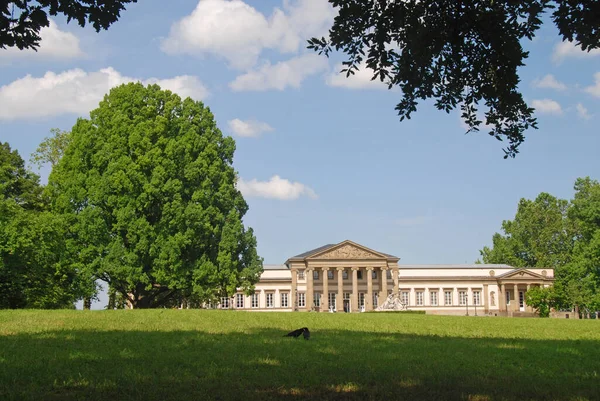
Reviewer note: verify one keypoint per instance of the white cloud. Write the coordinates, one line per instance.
(239, 33)
(76, 91)
(249, 128)
(547, 106)
(549, 82)
(594, 89)
(568, 49)
(360, 80)
(582, 112)
(280, 76)
(275, 188)
(55, 44)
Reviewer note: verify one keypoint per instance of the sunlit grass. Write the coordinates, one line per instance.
(198, 355)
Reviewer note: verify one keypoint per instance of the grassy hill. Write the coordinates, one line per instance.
(228, 355)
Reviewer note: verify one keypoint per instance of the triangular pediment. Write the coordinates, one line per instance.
(348, 250)
(521, 274)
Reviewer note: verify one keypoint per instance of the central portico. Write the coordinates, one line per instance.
(345, 276)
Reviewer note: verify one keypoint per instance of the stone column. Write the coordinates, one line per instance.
(455, 297)
(325, 296)
(502, 298)
(395, 273)
(383, 295)
(516, 290)
(527, 307)
(486, 302)
(354, 289)
(293, 299)
(369, 300)
(340, 295)
(441, 297)
(309, 288)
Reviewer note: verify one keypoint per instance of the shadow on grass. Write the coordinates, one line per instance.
(193, 365)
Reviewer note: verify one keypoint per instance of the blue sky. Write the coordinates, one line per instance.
(322, 158)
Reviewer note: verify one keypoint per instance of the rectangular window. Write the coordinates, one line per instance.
(317, 299)
(332, 301)
(269, 300)
(374, 275)
(375, 298)
(315, 275)
(419, 298)
(330, 275)
(301, 275)
(462, 298)
(388, 274)
(346, 295)
(361, 299)
(476, 298)
(521, 299)
(224, 303)
(301, 300)
(239, 301)
(284, 300)
(404, 297)
(345, 275)
(254, 300)
(448, 298)
(507, 298)
(359, 275)
(433, 298)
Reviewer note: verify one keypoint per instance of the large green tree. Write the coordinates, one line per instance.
(539, 236)
(563, 235)
(33, 272)
(22, 20)
(148, 186)
(461, 53)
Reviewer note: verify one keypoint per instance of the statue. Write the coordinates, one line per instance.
(492, 298)
(393, 302)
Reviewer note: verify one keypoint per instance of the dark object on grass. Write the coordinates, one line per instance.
(297, 333)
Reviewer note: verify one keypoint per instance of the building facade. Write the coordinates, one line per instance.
(348, 277)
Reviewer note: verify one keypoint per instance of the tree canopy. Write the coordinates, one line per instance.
(22, 20)
(52, 148)
(463, 54)
(149, 191)
(560, 234)
(33, 268)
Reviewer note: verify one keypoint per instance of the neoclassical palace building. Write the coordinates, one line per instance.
(348, 277)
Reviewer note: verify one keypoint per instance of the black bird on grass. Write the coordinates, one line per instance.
(297, 333)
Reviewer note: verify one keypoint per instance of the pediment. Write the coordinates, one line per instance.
(521, 274)
(348, 251)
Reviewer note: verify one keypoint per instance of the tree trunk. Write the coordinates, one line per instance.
(111, 298)
(87, 303)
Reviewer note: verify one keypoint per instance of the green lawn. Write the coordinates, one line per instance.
(228, 355)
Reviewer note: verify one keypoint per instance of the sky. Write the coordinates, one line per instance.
(322, 158)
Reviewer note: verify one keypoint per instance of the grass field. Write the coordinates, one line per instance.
(228, 355)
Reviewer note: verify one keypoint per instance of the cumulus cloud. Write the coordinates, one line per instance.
(55, 44)
(547, 106)
(280, 76)
(249, 128)
(549, 82)
(76, 91)
(594, 89)
(582, 112)
(568, 49)
(360, 80)
(239, 33)
(275, 188)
